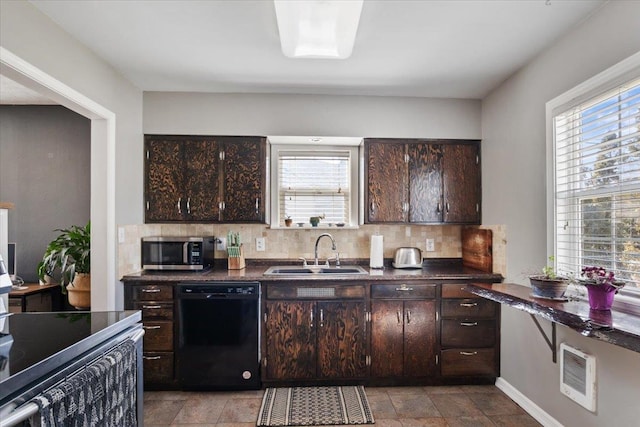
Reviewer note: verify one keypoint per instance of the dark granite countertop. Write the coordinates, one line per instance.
(38, 344)
(613, 326)
(450, 269)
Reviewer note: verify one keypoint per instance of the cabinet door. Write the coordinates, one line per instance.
(386, 182)
(291, 340)
(387, 346)
(425, 182)
(244, 180)
(461, 183)
(201, 166)
(163, 181)
(419, 338)
(341, 339)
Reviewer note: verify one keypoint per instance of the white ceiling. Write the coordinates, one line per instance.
(452, 49)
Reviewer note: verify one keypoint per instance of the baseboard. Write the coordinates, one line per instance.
(527, 404)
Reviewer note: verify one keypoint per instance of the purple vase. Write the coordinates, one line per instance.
(600, 296)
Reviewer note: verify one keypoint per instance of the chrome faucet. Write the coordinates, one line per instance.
(315, 252)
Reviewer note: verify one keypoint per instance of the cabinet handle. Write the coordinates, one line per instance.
(447, 207)
(188, 205)
(151, 327)
(373, 206)
(468, 323)
(321, 318)
(408, 317)
(439, 208)
(468, 353)
(311, 323)
(404, 288)
(179, 205)
(399, 317)
(257, 205)
(477, 207)
(150, 291)
(151, 357)
(151, 307)
(468, 304)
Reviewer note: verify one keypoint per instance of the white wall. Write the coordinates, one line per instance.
(514, 193)
(259, 114)
(31, 36)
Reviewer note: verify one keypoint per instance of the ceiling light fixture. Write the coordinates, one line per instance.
(318, 28)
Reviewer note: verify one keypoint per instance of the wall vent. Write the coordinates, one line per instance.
(578, 376)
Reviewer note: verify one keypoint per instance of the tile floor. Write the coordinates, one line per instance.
(453, 406)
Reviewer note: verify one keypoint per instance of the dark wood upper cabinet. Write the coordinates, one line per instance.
(422, 181)
(204, 178)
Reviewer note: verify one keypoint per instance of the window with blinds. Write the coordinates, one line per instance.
(597, 184)
(315, 183)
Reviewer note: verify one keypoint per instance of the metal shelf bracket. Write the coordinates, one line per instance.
(551, 343)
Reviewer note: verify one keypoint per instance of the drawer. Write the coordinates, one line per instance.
(152, 310)
(468, 307)
(468, 361)
(468, 333)
(158, 367)
(456, 290)
(158, 336)
(403, 291)
(153, 293)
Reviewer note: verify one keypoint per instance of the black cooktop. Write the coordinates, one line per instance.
(30, 340)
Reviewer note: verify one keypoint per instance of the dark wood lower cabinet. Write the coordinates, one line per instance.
(403, 337)
(315, 339)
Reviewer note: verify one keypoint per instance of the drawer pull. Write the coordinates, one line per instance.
(408, 317)
(152, 327)
(150, 291)
(469, 353)
(404, 288)
(151, 307)
(468, 323)
(152, 357)
(399, 317)
(468, 304)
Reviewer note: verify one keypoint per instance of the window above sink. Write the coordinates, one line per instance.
(314, 177)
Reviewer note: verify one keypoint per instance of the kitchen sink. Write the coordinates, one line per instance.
(290, 270)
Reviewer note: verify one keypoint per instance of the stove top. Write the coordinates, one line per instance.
(26, 339)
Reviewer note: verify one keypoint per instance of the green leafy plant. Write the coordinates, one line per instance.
(548, 270)
(69, 253)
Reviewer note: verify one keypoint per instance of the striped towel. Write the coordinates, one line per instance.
(102, 394)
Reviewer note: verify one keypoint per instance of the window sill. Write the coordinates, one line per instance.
(309, 227)
(617, 327)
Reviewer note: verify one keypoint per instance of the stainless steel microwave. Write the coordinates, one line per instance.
(177, 253)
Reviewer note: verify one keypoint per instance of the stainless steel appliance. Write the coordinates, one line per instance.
(177, 253)
(407, 258)
(218, 335)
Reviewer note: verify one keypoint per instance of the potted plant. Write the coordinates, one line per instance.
(601, 287)
(548, 284)
(315, 220)
(70, 255)
(288, 221)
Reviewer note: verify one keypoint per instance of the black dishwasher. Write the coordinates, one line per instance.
(218, 336)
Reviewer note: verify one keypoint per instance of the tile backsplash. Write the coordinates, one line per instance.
(291, 243)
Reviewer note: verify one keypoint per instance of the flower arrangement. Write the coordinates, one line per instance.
(599, 276)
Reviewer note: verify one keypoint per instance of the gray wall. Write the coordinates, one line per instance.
(514, 193)
(360, 116)
(45, 171)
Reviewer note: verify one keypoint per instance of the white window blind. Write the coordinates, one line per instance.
(597, 184)
(315, 184)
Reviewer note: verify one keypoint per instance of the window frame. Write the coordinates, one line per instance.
(276, 216)
(625, 71)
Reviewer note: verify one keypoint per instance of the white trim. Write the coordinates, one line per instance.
(103, 148)
(317, 140)
(611, 76)
(527, 404)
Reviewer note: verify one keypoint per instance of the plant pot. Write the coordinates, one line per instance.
(600, 296)
(543, 287)
(288, 222)
(314, 220)
(80, 291)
